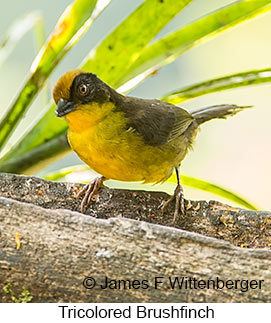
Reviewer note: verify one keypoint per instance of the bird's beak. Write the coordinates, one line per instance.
(64, 107)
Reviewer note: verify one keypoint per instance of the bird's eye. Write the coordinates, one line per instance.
(83, 89)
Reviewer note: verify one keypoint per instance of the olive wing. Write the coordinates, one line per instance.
(157, 122)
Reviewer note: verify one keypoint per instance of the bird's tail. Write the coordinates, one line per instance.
(217, 112)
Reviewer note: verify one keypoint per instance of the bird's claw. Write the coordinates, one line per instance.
(90, 192)
(178, 196)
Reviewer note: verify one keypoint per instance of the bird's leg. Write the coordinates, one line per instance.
(91, 191)
(178, 197)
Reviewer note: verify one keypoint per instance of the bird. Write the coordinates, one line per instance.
(127, 138)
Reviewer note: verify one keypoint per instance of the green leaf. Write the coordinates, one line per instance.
(125, 44)
(117, 51)
(219, 84)
(61, 173)
(214, 189)
(37, 158)
(33, 20)
(167, 49)
(74, 22)
(47, 130)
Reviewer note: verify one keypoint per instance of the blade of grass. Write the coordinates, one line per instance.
(17, 31)
(125, 44)
(74, 22)
(214, 189)
(61, 173)
(42, 132)
(34, 21)
(114, 53)
(219, 84)
(38, 157)
(40, 39)
(167, 49)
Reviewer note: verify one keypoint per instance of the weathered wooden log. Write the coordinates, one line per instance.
(59, 248)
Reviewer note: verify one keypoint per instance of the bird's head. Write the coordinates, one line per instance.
(77, 89)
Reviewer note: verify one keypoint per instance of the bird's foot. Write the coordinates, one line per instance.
(91, 192)
(179, 203)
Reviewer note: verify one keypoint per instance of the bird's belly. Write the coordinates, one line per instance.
(123, 158)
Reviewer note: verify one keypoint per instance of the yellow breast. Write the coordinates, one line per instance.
(99, 135)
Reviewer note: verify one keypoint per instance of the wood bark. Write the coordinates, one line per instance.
(125, 237)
